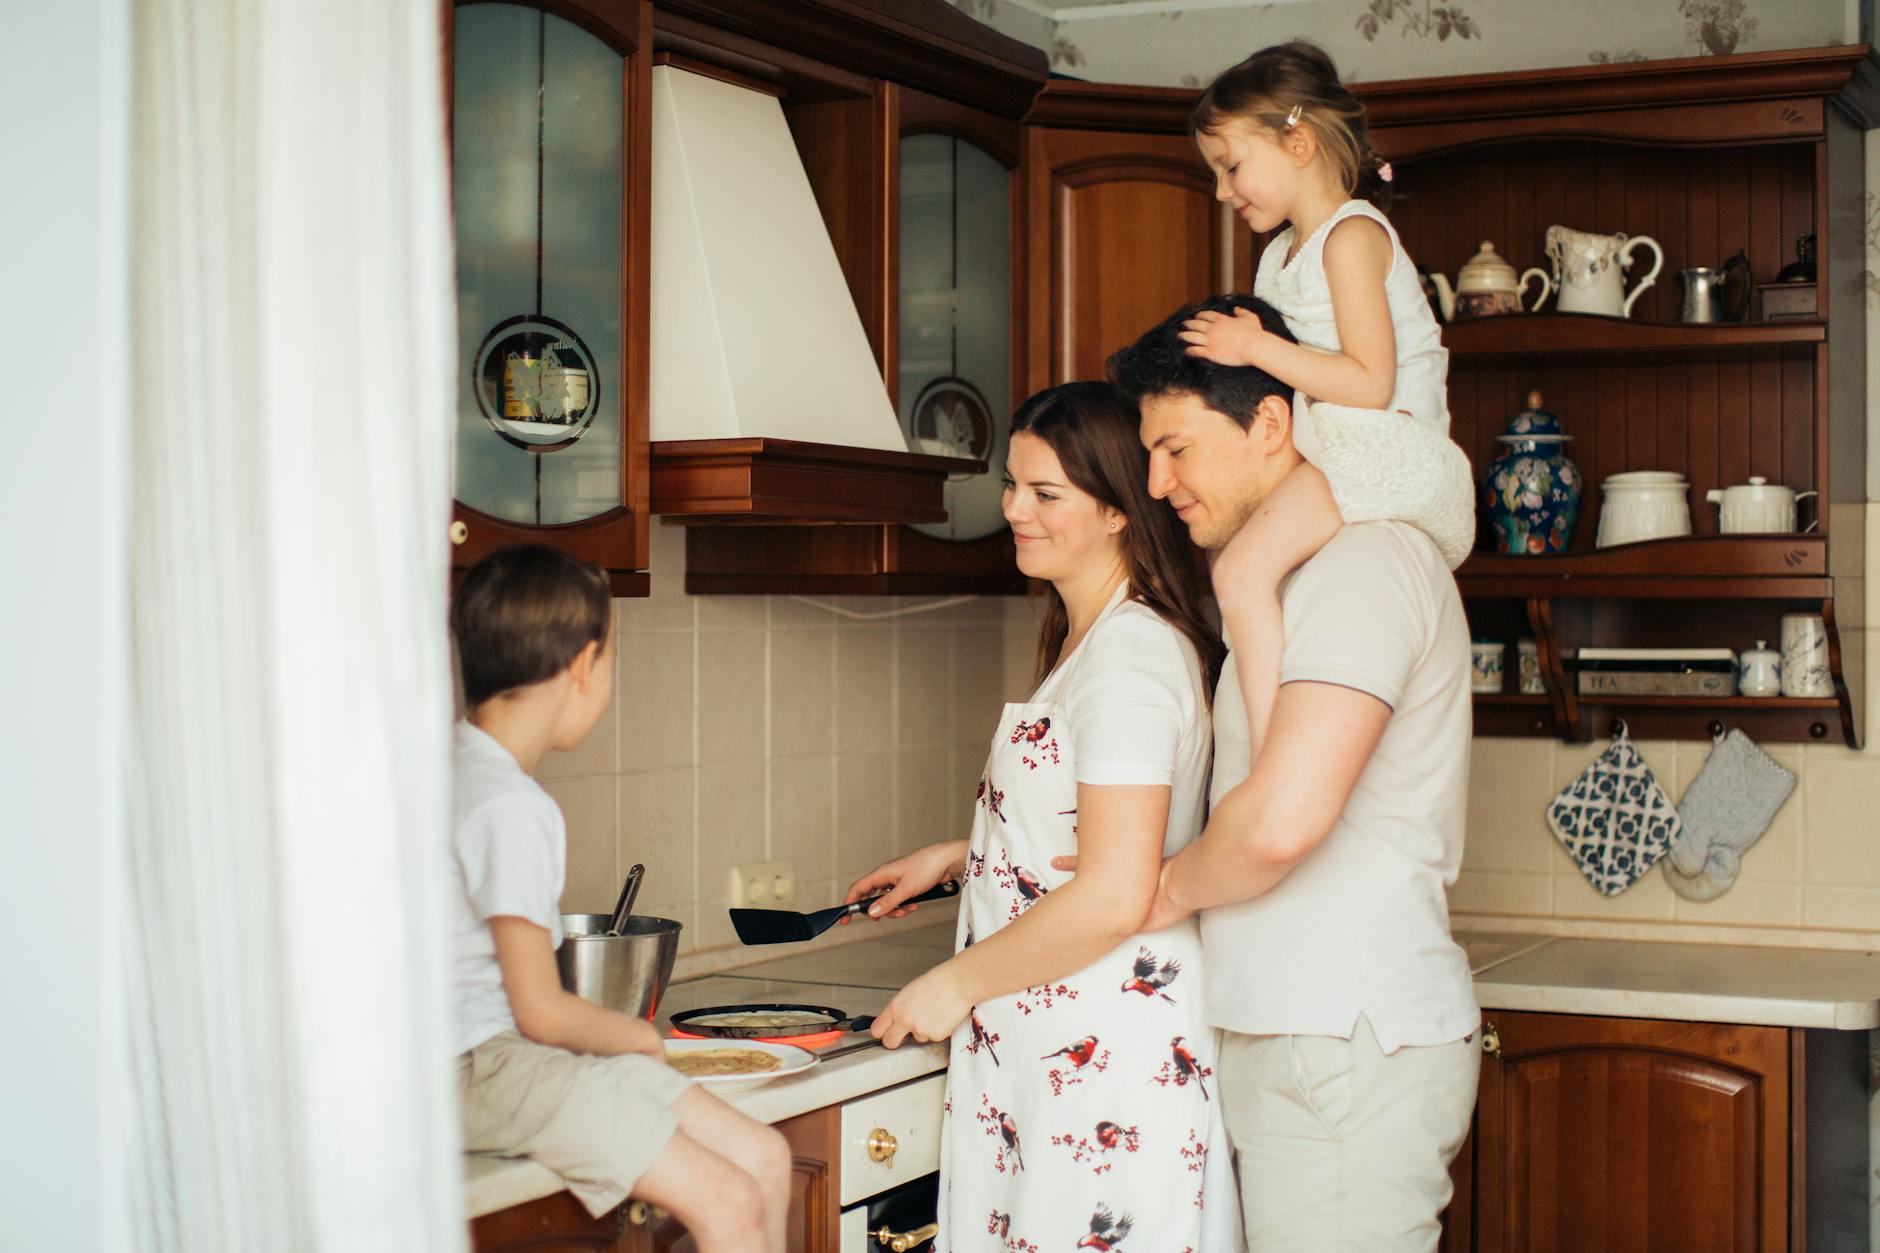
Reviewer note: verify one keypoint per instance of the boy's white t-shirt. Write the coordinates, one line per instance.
(509, 851)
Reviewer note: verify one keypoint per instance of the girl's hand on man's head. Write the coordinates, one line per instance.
(1231, 341)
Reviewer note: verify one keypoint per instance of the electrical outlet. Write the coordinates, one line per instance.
(764, 885)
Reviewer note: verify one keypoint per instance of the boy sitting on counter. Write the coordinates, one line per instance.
(542, 1073)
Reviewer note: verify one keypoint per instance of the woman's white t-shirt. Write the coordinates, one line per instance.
(1132, 698)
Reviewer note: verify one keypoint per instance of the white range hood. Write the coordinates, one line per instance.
(753, 332)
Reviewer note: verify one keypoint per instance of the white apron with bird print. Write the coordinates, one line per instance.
(1081, 1114)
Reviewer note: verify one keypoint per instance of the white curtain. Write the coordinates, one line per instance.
(293, 350)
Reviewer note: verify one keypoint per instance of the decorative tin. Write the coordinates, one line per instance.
(1532, 491)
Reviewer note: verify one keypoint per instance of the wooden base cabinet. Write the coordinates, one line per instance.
(1623, 1134)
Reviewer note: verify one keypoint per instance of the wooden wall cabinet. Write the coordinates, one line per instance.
(1707, 155)
(551, 182)
(1599, 1134)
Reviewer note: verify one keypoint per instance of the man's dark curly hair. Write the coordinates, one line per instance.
(1158, 363)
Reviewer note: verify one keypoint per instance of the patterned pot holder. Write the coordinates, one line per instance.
(1614, 820)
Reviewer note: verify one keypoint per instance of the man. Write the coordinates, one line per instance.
(1348, 1062)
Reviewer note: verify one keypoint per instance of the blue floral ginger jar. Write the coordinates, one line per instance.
(1532, 492)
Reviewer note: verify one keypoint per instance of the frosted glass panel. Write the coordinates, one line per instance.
(537, 170)
(956, 319)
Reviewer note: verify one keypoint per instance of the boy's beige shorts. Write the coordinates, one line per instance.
(598, 1122)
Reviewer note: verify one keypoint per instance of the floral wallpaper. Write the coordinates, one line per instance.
(1373, 39)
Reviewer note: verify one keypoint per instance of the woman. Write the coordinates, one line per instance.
(1080, 1112)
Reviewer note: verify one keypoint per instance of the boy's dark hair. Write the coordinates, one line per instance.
(1159, 363)
(522, 614)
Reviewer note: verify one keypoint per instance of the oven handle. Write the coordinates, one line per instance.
(906, 1240)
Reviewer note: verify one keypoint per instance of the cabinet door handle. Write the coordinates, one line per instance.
(907, 1239)
(459, 532)
(1491, 1040)
(882, 1146)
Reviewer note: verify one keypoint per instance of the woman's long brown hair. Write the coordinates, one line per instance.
(1093, 431)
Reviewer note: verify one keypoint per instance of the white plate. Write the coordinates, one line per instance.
(795, 1061)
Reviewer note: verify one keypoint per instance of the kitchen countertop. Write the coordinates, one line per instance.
(1621, 978)
(1775, 987)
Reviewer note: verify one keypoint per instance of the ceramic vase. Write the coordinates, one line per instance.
(1531, 493)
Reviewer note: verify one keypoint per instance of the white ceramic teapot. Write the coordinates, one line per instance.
(1587, 270)
(1757, 507)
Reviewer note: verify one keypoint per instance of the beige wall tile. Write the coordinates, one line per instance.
(588, 807)
(659, 828)
(1746, 904)
(922, 688)
(687, 918)
(1510, 786)
(731, 823)
(921, 779)
(802, 691)
(1021, 647)
(653, 699)
(1496, 892)
(802, 815)
(802, 611)
(1844, 908)
(597, 754)
(1650, 898)
(668, 608)
(864, 813)
(733, 613)
(714, 924)
(864, 690)
(1842, 801)
(733, 688)
(978, 680)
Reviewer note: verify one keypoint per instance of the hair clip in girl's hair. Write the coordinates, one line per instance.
(1292, 119)
(1384, 172)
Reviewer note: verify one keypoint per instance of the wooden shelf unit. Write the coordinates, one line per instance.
(1708, 156)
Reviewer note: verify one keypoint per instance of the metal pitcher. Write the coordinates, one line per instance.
(1704, 292)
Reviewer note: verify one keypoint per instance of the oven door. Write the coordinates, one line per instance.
(904, 1220)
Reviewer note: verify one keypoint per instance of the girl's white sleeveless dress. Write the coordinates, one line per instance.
(1083, 1113)
(1399, 462)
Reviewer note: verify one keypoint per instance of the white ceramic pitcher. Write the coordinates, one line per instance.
(1587, 270)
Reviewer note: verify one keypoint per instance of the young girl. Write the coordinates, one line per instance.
(1289, 144)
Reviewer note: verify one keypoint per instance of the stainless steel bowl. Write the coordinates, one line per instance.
(627, 973)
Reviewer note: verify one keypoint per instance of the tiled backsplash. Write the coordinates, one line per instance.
(767, 728)
(753, 728)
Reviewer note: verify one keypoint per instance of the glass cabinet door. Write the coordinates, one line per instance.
(538, 142)
(956, 319)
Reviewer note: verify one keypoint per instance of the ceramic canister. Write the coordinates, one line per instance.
(1805, 656)
(1641, 505)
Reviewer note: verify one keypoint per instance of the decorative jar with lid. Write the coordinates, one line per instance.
(1532, 491)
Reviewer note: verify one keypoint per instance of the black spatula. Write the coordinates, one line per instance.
(783, 926)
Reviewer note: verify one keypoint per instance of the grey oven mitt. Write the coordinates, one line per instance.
(1726, 809)
(1614, 820)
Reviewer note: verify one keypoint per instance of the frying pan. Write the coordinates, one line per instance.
(833, 1020)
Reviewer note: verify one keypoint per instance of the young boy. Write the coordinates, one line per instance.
(542, 1073)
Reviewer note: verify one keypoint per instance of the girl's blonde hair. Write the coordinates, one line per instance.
(1296, 84)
